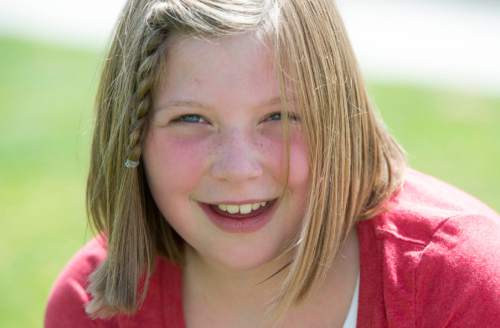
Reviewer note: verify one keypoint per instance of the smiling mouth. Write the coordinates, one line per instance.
(251, 220)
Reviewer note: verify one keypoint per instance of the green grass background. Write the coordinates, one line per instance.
(46, 97)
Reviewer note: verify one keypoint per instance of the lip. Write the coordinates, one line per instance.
(240, 225)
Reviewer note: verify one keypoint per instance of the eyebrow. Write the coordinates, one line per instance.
(196, 104)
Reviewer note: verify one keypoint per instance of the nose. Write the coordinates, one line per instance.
(237, 158)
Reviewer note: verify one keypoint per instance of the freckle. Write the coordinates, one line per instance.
(197, 81)
(218, 144)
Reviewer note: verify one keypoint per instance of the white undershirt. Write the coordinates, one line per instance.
(350, 321)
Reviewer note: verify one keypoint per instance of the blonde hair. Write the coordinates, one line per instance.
(355, 164)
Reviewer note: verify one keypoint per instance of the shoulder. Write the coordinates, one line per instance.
(437, 249)
(67, 299)
(459, 273)
(424, 193)
(421, 206)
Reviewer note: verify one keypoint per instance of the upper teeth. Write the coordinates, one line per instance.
(243, 209)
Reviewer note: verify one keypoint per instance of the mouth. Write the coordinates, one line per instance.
(247, 217)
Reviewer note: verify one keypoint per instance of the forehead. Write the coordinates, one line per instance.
(233, 66)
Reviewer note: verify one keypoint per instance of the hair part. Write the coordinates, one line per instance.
(355, 165)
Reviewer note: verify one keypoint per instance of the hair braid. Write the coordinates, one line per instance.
(145, 81)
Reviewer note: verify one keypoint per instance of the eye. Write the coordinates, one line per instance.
(190, 119)
(277, 116)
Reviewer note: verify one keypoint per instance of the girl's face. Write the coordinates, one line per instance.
(215, 137)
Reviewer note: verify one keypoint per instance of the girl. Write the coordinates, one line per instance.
(240, 177)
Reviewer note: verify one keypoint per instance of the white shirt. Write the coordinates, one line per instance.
(350, 321)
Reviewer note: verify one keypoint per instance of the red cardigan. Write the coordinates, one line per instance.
(432, 260)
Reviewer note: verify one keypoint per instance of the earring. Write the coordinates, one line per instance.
(130, 164)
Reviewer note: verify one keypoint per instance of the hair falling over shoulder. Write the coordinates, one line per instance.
(355, 163)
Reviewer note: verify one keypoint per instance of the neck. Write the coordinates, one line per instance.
(219, 292)
(250, 288)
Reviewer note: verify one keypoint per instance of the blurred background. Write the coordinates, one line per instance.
(432, 68)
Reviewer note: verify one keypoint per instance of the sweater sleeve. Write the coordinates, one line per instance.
(66, 303)
(458, 277)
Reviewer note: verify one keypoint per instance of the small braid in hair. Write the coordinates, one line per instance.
(150, 57)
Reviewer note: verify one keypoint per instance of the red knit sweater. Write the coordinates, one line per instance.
(432, 260)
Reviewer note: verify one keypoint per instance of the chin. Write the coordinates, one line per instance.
(245, 259)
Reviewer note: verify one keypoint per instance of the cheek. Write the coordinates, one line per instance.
(274, 147)
(298, 161)
(299, 166)
(173, 164)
